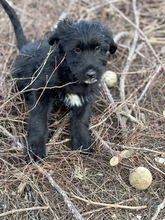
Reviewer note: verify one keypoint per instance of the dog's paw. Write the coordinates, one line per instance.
(84, 150)
(87, 151)
(34, 154)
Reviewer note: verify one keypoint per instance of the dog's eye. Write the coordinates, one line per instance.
(98, 48)
(77, 50)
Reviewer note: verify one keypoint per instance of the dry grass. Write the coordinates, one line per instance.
(89, 182)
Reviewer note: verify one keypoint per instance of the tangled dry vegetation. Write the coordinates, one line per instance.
(129, 116)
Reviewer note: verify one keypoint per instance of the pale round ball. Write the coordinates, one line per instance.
(164, 113)
(140, 178)
(114, 161)
(110, 78)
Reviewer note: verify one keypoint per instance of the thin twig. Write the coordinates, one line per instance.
(121, 119)
(116, 205)
(143, 149)
(48, 80)
(65, 13)
(62, 16)
(132, 118)
(122, 34)
(149, 83)
(33, 78)
(23, 210)
(160, 206)
(154, 167)
(131, 53)
(103, 208)
(105, 145)
(107, 92)
(30, 197)
(140, 31)
(70, 205)
(8, 134)
(110, 97)
(126, 69)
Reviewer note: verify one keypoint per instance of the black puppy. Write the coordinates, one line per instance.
(63, 69)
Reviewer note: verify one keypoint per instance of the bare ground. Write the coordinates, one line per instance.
(128, 116)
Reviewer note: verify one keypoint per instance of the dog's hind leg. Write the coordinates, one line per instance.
(80, 128)
(38, 128)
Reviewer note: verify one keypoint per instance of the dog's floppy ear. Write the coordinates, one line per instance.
(112, 47)
(109, 38)
(53, 37)
(63, 27)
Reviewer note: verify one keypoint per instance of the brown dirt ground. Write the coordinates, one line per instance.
(89, 177)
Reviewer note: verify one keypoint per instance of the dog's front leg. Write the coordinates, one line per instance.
(80, 128)
(38, 129)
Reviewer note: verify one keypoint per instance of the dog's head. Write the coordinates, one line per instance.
(85, 45)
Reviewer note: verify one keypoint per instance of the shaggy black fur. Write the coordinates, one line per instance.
(66, 73)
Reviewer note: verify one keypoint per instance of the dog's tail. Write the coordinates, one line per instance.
(20, 37)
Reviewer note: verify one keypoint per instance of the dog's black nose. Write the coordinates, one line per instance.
(91, 74)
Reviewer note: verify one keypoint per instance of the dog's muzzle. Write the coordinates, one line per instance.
(90, 77)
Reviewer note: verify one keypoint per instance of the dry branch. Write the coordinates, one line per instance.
(131, 54)
(107, 205)
(144, 149)
(149, 82)
(105, 145)
(68, 202)
(144, 74)
(8, 134)
(110, 97)
(160, 206)
(23, 210)
(141, 32)
(123, 120)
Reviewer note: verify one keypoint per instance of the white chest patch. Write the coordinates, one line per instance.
(74, 100)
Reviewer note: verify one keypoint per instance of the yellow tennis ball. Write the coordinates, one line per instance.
(110, 78)
(140, 178)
